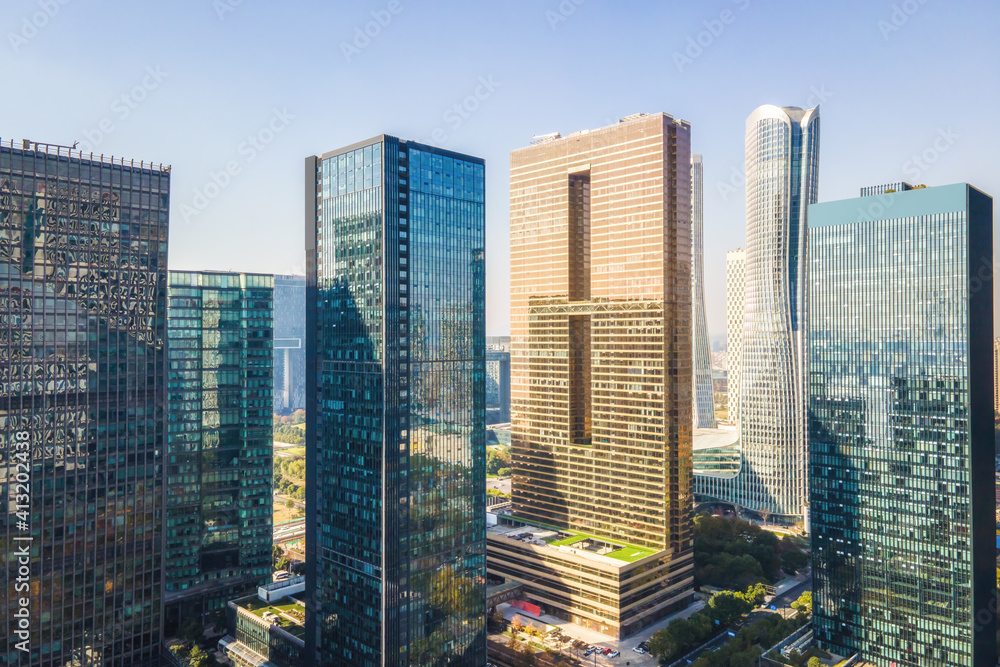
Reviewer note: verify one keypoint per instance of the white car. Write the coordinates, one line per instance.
(640, 650)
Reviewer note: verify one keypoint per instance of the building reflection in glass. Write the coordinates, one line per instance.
(83, 247)
(396, 432)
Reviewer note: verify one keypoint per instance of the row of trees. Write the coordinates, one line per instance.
(684, 634)
(285, 470)
(285, 429)
(745, 649)
(731, 553)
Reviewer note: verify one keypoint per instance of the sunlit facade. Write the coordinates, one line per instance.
(395, 434)
(900, 427)
(83, 289)
(703, 402)
(219, 465)
(782, 167)
(601, 352)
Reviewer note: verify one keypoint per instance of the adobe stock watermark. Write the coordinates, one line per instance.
(122, 107)
(363, 35)
(223, 7)
(738, 175)
(562, 13)
(456, 115)
(248, 151)
(900, 16)
(19, 476)
(33, 23)
(919, 163)
(697, 44)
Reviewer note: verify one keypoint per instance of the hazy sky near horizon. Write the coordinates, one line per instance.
(909, 90)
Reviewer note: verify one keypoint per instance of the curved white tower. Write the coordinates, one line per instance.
(782, 160)
(782, 166)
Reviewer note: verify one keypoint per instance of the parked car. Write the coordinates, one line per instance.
(639, 649)
(607, 651)
(614, 654)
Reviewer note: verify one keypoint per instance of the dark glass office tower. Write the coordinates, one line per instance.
(289, 343)
(395, 358)
(900, 427)
(83, 277)
(219, 475)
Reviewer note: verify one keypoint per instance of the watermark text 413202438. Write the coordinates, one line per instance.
(19, 475)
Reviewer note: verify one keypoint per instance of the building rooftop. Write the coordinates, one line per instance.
(612, 552)
(726, 435)
(288, 613)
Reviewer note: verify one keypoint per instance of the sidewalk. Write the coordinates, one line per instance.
(788, 583)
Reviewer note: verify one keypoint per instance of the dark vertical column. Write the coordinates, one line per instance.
(312, 408)
(982, 450)
(578, 259)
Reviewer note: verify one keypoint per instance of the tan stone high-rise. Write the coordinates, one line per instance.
(601, 372)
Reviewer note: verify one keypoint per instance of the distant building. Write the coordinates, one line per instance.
(735, 305)
(262, 633)
(901, 427)
(888, 188)
(601, 375)
(703, 399)
(289, 343)
(498, 379)
(218, 462)
(396, 411)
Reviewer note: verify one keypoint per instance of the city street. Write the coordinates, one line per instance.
(782, 603)
(501, 484)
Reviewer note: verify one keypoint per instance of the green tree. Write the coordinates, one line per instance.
(793, 561)
(804, 603)
(527, 656)
(814, 662)
(198, 658)
(728, 606)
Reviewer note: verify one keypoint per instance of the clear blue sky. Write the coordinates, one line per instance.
(225, 66)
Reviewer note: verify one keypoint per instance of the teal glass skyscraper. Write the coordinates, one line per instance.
(219, 441)
(396, 407)
(900, 427)
(83, 282)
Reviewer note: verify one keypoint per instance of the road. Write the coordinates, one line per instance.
(283, 498)
(501, 484)
(288, 532)
(782, 603)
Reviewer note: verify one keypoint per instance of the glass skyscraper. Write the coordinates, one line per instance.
(782, 176)
(703, 397)
(218, 467)
(289, 343)
(83, 281)
(900, 427)
(395, 432)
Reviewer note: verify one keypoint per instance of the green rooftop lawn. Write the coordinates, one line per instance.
(628, 552)
(259, 608)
